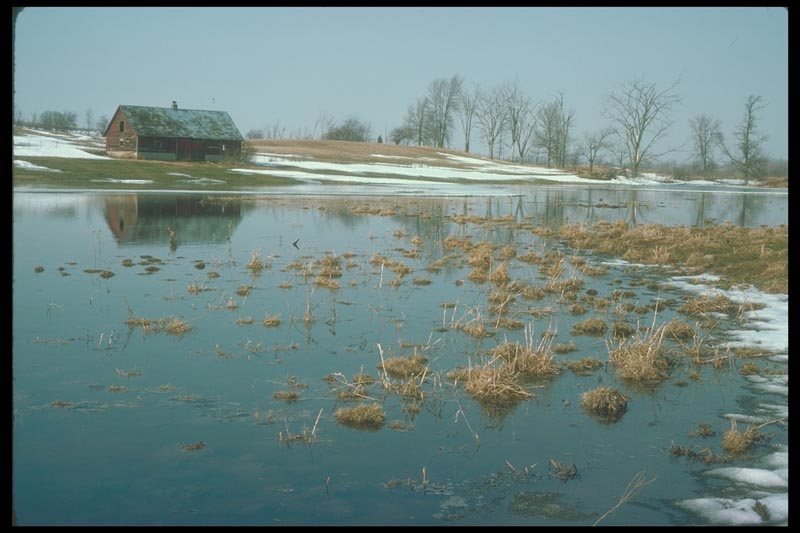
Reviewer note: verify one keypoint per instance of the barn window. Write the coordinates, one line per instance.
(223, 147)
(121, 126)
(156, 144)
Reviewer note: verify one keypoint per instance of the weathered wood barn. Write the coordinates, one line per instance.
(169, 133)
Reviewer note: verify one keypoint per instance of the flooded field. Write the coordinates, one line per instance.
(368, 359)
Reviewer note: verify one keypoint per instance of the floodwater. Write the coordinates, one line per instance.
(120, 423)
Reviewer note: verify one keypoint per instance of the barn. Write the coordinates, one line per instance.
(172, 134)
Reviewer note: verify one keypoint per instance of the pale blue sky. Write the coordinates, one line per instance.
(291, 66)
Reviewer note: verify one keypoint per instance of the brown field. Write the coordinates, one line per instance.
(358, 152)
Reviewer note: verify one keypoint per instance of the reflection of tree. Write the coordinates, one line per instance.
(633, 207)
(143, 218)
(742, 209)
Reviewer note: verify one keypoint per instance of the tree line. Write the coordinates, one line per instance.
(514, 126)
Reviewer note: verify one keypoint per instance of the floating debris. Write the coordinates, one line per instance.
(129, 373)
(193, 447)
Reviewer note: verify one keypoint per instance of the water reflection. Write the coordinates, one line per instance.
(685, 207)
(149, 218)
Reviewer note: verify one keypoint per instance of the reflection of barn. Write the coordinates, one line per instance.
(140, 132)
(145, 218)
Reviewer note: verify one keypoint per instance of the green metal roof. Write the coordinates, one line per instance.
(185, 123)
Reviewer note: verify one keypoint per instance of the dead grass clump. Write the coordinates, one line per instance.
(584, 365)
(507, 252)
(588, 270)
(562, 348)
(500, 275)
(176, 326)
(703, 430)
(477, 276)
(531, 257)
(287, 395)
(272, 321)
(527, 362)
(409, 389)
(480, 256)
(509, 323)
(577, 309)
(749, 369)
(590, 326)
(620, 330)
(639, 358)
(539, 312)
(256, 263)
(331, 267)
(105, 274)
(703, 455)
(555, 286)
(421, 281)
(606, 403)
(327, 283)
(365, 416)
(244, 290)
(709, 303)
(172, 325)
(196, 288)
(364, 379)
(737, 442)
(245, 321)
(475, 328)
(404, 367)
(357, 392)
(533, 293)
(451, 243)
(495, 386)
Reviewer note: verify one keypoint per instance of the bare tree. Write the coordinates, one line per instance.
(640, 114)
(466, 111)
(402, 135)
(593, 143)
(492, 117)
(102, 123)
(254, 134)
(526, 134)
(352, 129)
(705, 133)
(519, 117)
(443, 97)
(59, 121)
(552, 131)
(417, 120)
(747, 157)
(619, 152)
(89, 120)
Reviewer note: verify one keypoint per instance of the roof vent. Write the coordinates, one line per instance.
(174, 104)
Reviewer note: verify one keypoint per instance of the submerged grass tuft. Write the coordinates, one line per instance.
(369, 416)
(606, 403)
